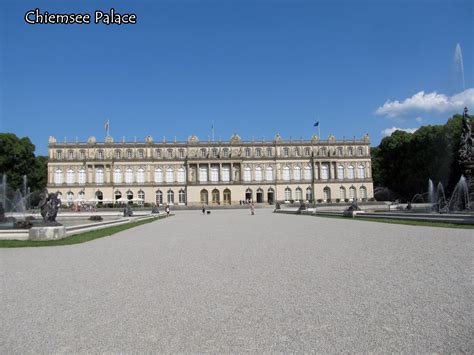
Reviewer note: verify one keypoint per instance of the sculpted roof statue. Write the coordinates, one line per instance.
(277, 137)
(149, 139)
(193, 139)
(235, 138)
(51, 140)
(91, 140)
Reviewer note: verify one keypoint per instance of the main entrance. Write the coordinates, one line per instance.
(270, 196)
(248, 195)
(259, 196)
(227, 197)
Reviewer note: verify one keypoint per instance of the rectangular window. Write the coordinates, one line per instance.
(269, 152)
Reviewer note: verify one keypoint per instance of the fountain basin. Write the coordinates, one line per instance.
(47, 233)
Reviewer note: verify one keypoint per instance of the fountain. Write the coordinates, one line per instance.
(460, 198)
(431, 192)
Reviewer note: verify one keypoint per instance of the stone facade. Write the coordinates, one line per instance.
(213, 172)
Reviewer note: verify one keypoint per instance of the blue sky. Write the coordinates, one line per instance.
(255, 68)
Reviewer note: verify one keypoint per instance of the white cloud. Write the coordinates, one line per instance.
(388, 131)
(427, 102)
(419, 119)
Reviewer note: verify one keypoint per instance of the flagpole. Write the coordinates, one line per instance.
(212, 131)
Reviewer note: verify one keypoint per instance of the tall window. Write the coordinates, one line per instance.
(361, 171)
(350, 151)
(181, 175)
(81, 196)
(340, 172)
(307, 151)
(203, 153)
(59, 155)
(158, 175)
(70, 177)
(324, 172)
(169, 175)
(182, 197)
(71, 155)
(202, 174)
(269, 152)
(339, 151)
(141, 197)
(214, 153)
(286, 152)
(100, 154)
(129, 195)
(159, 197)
(362, 192)
(215, 196)
(158, 153)
(323, 151)
(82, 176)
(214, 173)
(129, 176)
(226, 173)
(286, 173)
(82, 154)
(352, 193)
(204, 196)
(99, 176)
(327, 194)
(307, 172)
(258, 174)
(226, 152)
(297, 173)
(118, 195)
(118, 176)
(287, 194)
(70, 198)
(342, 193)
(129, 154)
(169, 153)
(299, 194)
(309, 194)
(141, 154)
(247, 152)
(118, 154)
(350, 172)
(247, 174)
(360, 151)
(258, 152)
(141, 175)
(297, 152)
(181, 153)
(269, 173)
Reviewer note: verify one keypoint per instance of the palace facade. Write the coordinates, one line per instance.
(211, 172)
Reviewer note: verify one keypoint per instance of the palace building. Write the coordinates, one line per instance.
(210, 172)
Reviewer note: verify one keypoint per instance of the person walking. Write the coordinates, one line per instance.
(203, 209)
(167, 210)
(252, 209)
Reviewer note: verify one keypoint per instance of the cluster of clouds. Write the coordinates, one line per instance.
(423, 102)
(427, 102)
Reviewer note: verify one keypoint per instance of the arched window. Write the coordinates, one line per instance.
(340, 171)
(70, 176)
(182, 197)
(362, 192)
(307, 172)
(352, 193)
(82, 176)
(227, 197)
(258, 174)
(327, 194)
(309, 194)
(99, 176)
(298, 194)
(129, 176)
(350, 172)
(361, 171)
(129, 195)
(117, 195)
(169, 175)
(269, 173)
(225, 173)
(287, 194)
(58, 176)
(297, 173)
(141, 175)
(159, 197)
(286, 173)
(82, 196)
(324, 172)
(342, 193)
(297, 152)
(141, 197)
(118, 176)
(158, 175)
(70, 198)
(214, 173)
(204, 196)
(203, 174)
(247, 174)
(181, 175)
(99, 196)
(215, 196)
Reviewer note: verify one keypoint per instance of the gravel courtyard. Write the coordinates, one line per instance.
(231, 282)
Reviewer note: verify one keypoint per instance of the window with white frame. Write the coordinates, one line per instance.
(169, 175)
(286, 173)
(307, 172)
(181, 175)
(70, 197)
(298, 194)
(100, 154)
(59, 154)
(350, 151)
(82, 176)
(169, 153)
(287, 194)
(258, 174)
(297, 173)
(215, 153)
(82, 196)
(214, 173)
(99, 176)
(286, 152)
(339, 151)
(170, 195)
(323, 151)
(247, 174)
(203, 174)
(129, 176)
(118, 154)
(141, 197)
(158, 175)
(361, 171)
(352, 193)
(225, 173)
(362, 192)
(159, 197)
(324, 172)
(203, 152)
(342, 193)
(247, 152)
(327, 194)
(258, 152)
(118, 176)
(71, 154)
(340, 171)
(309, 194)
(82, 154)
(360, 151)
(269, 152)
(70, 176)
(141, 175)
(307, 151)
(226, 153)
(269, 173)
(141, 154)
(350, 172)
(129, 154)
(182, 197)
(297, 152)
(181, 153)
(158, 153)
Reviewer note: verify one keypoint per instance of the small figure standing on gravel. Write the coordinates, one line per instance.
(167, 210)
(203, 209)
(252, 209)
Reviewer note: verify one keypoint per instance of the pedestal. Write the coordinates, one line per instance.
(47, 233)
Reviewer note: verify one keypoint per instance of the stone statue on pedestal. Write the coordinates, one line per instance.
(49, 206)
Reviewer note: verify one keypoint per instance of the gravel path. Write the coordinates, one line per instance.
(231, 282)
